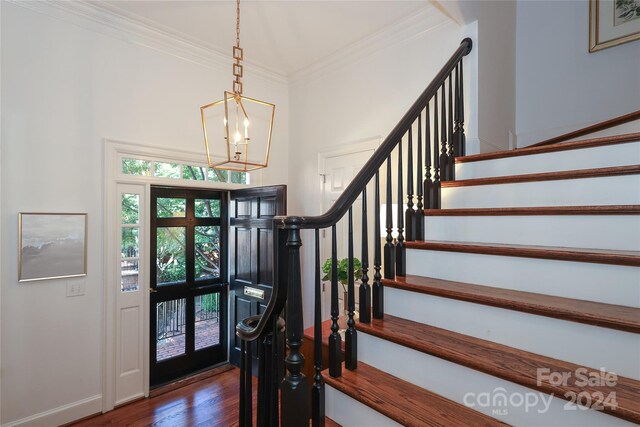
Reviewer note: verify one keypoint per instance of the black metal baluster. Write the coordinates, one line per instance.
(418, 216)
(428, 183)
(335, 340)
(462, 140)
(436, 156)
(444, 158)
(317, 392)
(248, 389)
(389, 247)
(365, 288)
(262, 384)
(378, 290)
(451, 145)
(408, 218)
(401, 254)
(294, 387)
(264, 415)
(456, 114)
(350, 339)
(277, 355)
(243, 396)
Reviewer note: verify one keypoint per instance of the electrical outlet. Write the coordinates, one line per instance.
(75, 288)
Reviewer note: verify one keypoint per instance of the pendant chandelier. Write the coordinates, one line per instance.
(238, 135)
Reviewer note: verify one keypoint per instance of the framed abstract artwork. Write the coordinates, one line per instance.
(613, 22)
(52, 246)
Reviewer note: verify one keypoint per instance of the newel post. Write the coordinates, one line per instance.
(294, 387)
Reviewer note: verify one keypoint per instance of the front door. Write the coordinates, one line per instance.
(188, 281)
(251, 251)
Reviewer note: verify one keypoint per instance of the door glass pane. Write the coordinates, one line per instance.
(130, 242)
(217, 175)
(170, 255)
(207, 252)
(167, 170)
(171, 208)
(170, 329)
(130, 208)
(207, 208)
(194, 173)
(207, 320)
(129, 276)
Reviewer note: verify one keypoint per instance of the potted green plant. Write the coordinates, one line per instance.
(343, 274)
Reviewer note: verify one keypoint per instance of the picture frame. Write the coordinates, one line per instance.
(613, 22)
(51, 246)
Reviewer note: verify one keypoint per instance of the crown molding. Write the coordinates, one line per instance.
(403, 30)
(115, 22)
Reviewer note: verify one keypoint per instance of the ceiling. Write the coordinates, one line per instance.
(282, 36)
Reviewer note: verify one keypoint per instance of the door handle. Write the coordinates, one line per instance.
(152, 291)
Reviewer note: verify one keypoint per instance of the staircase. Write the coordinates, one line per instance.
(507, 290)
(527, 283)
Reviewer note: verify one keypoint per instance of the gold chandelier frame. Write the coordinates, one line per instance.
(236, 160)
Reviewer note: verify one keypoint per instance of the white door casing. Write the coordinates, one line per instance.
(126, 314)
(337, 168)
(131, 318)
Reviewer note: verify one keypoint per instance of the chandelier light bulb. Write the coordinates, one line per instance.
(237, 137)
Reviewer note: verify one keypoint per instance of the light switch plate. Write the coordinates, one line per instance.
(75, 288)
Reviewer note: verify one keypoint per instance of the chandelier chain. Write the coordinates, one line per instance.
(237, 55)
(238, 23)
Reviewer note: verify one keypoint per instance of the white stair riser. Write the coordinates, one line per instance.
(349, 412)
(461, 384)
(612, 190)
(577, 231)
(590, 345)
(611, 284)
(584, 158)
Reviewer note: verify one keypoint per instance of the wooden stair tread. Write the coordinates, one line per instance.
(596, 127)
(542, 210)
(402, 401)
(505, 362)
(562, 146)
(328, 422)
(593, 313)
(546, 176)
(598, 256)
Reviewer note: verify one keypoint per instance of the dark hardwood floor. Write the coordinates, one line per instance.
(211, 402)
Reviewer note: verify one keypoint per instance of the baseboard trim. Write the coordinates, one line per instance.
(479, 145)
(61, 415)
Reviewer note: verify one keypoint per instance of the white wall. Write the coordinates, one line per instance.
(64, 89)
(560, 85)
(352, 101)
(492, 26)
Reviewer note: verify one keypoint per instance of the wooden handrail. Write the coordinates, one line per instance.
(616, 121)
(353, 191)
